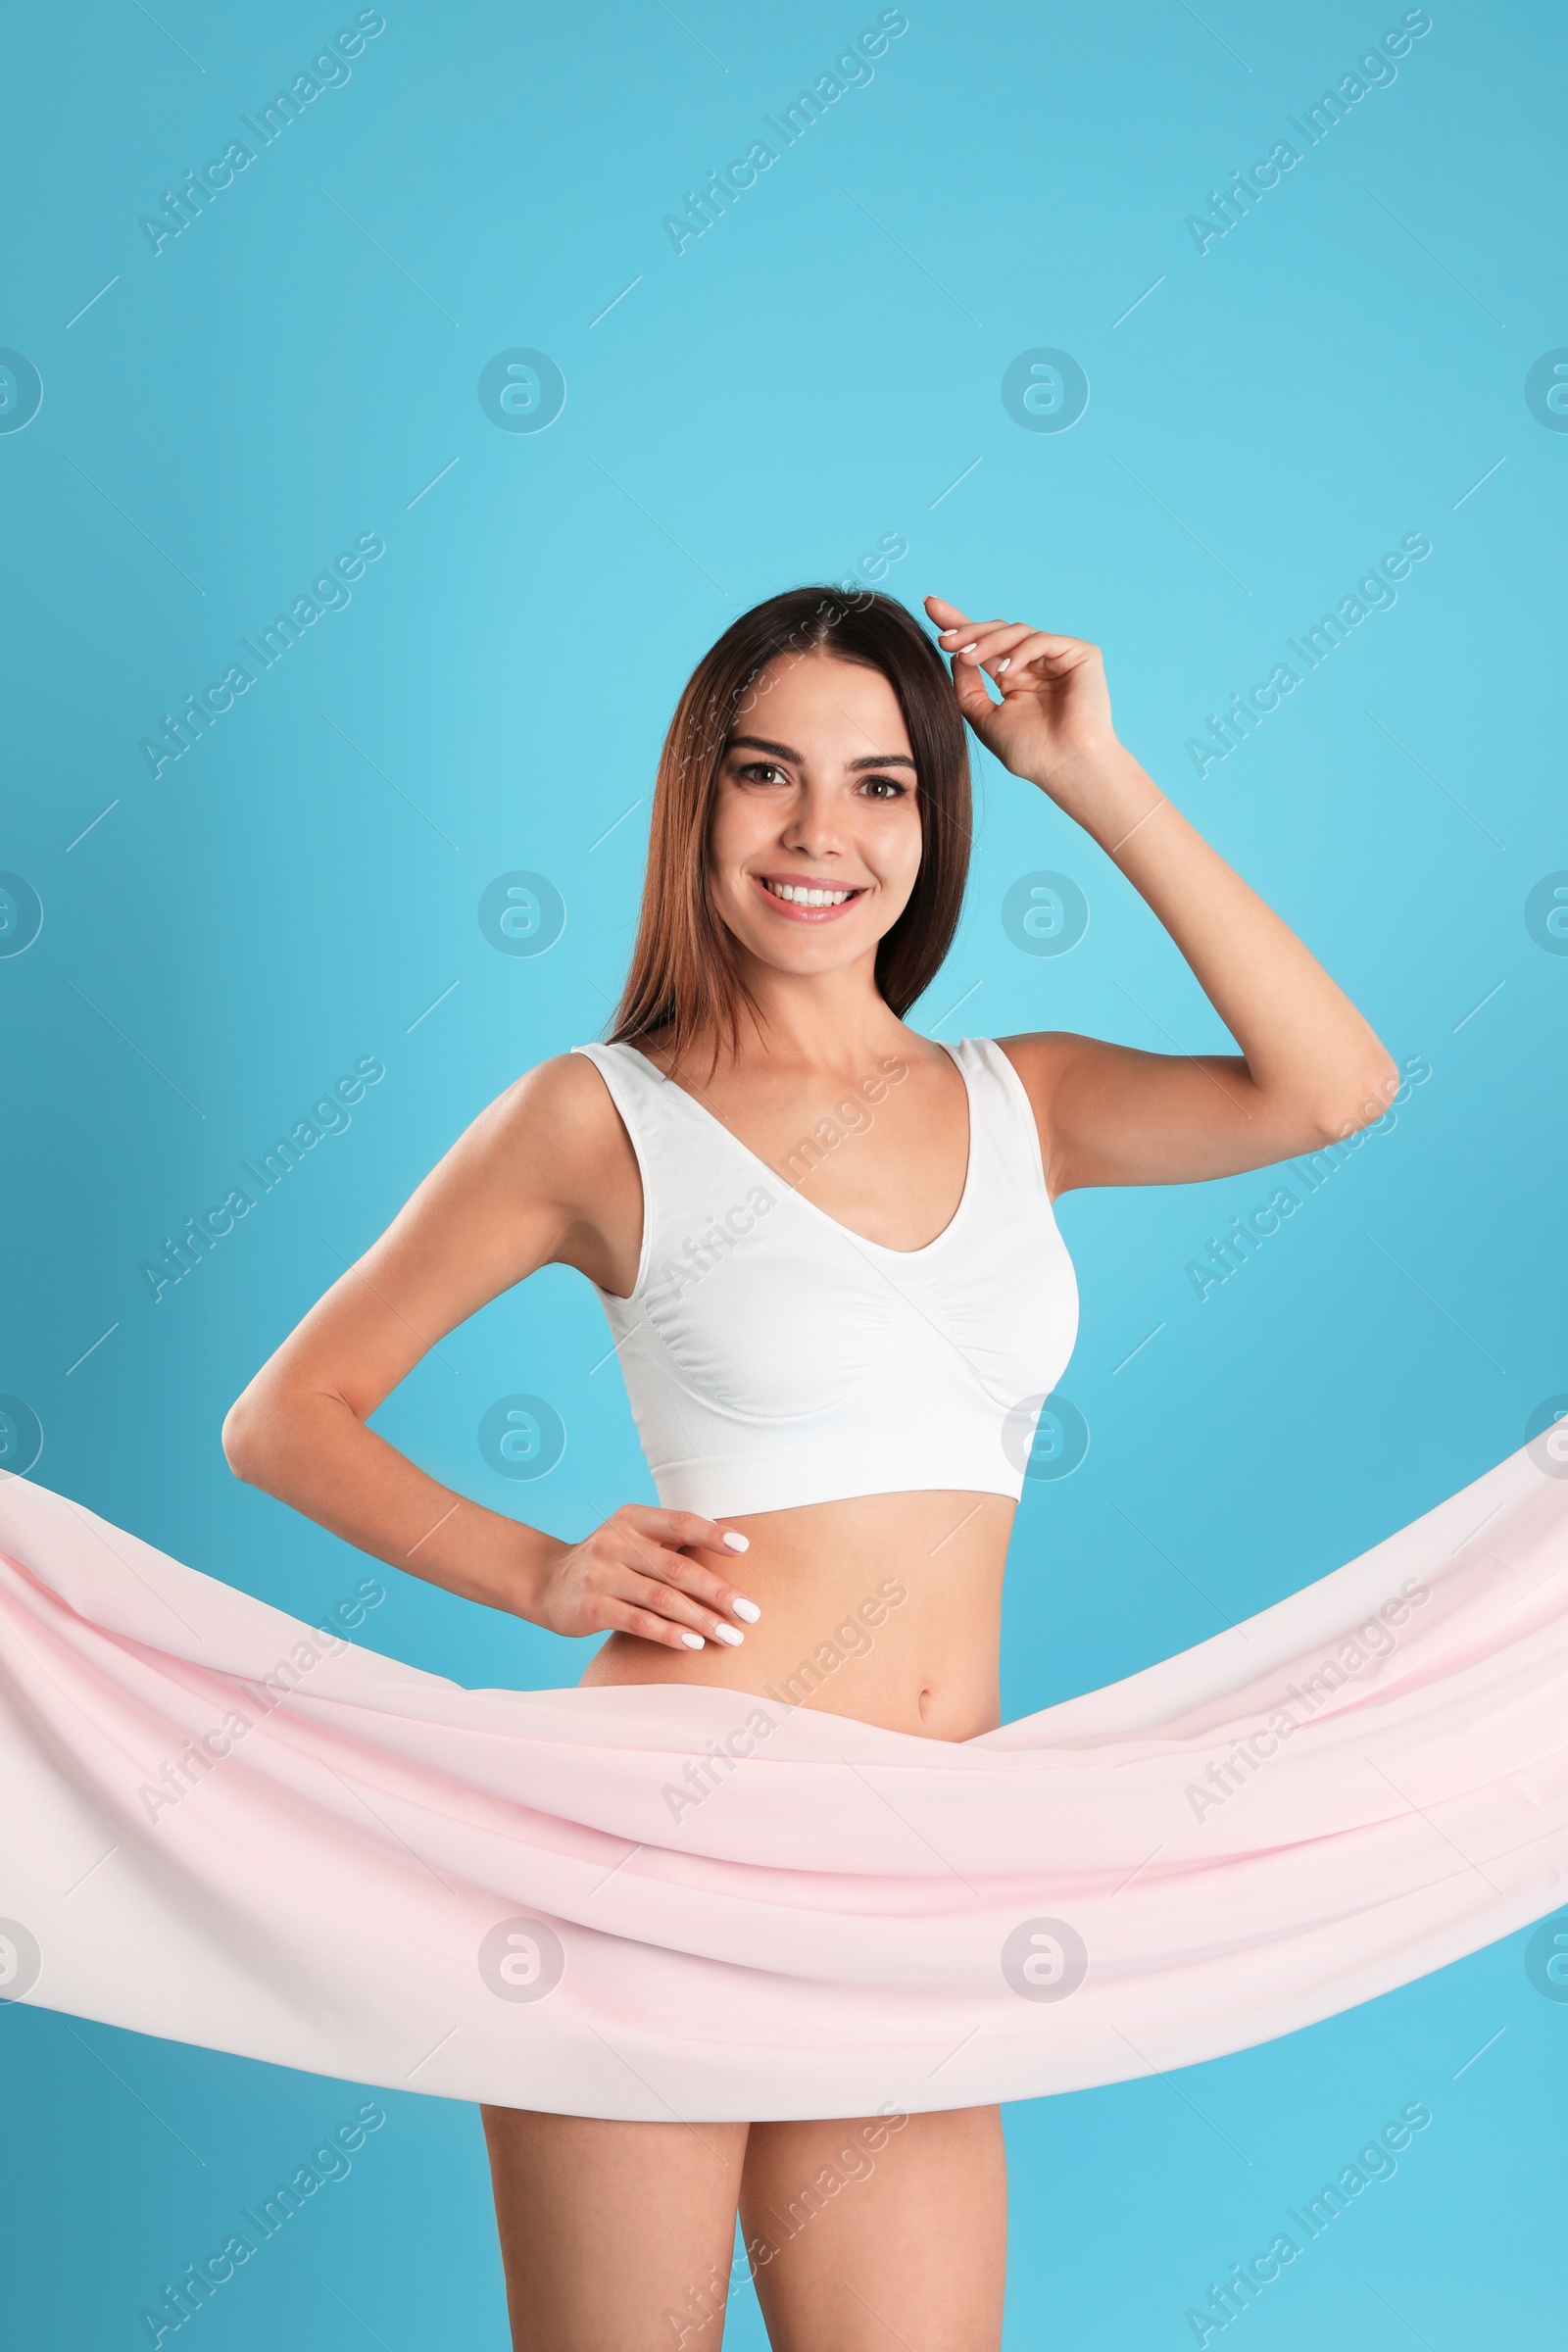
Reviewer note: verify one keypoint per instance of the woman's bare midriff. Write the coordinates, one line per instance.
(887, 1608)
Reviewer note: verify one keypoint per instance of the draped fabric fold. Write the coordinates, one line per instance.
(663, 1901)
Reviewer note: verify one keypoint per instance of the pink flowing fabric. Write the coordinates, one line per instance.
(607, 1903)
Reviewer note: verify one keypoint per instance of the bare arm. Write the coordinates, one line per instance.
(1310, 1069)
(546, 1175)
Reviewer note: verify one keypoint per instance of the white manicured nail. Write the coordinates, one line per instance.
(694, 1641)
(1001, 665)
(736, 1541)
(747, 1609)
(728, 1632)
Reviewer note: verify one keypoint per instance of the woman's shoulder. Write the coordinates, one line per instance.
(1038, 1054)
(559, 1115)
(1039, 1059)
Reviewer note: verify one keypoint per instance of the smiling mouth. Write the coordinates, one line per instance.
(806, 900)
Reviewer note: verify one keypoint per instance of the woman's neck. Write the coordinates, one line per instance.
(829, 1022)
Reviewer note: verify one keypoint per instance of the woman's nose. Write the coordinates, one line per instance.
(811, 827)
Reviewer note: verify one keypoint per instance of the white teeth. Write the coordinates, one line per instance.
(799, 897)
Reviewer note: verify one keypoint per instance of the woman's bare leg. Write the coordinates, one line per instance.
(614, 2237)
(884, 2230)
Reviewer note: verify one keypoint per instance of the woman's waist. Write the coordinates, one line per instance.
(886, 1607)
(812, 1553)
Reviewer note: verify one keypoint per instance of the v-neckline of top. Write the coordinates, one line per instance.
(861, 1240)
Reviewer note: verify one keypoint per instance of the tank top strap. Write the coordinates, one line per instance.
(636, 1088)
(690, 1165)
(1007, 1137)
(656, 1113)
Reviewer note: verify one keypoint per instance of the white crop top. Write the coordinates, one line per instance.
(773, 1357)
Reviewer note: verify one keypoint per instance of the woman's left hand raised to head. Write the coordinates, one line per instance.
(1052, 724)
(1310, 1070)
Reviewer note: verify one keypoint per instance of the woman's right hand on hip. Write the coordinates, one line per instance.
(636, 1574)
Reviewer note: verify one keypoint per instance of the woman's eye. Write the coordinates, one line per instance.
(761, 771)
(885, 788)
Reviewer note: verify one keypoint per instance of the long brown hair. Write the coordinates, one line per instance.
(685, 978)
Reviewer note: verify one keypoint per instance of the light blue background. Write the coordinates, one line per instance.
(295, 892)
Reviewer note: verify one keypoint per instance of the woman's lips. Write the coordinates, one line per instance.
(793, 911)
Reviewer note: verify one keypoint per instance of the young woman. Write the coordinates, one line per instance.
(763, 1918)
(808, 859)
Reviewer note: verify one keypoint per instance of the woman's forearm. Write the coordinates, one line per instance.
(311, 1452)
(1301, 1038)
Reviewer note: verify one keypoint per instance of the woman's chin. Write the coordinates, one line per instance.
(805, 953)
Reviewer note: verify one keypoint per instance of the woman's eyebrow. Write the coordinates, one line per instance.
(782, 751)
(759, 743)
